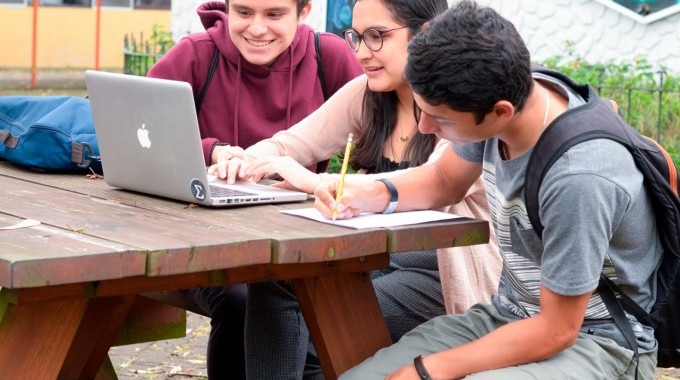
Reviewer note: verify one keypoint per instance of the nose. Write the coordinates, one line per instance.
(427, 124)
(257, 27)
(363, 52)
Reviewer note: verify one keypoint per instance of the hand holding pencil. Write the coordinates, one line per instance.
(343, 172)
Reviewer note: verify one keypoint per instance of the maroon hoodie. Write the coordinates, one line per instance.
(246, 103)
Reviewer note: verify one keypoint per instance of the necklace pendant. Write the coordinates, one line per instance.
(404, 139)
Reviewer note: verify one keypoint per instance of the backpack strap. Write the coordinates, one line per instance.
(208, 79)
(319, 65)
(8, 140)
(556, 140)
(606, 290)
(321, 166)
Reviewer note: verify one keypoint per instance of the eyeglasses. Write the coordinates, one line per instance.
(373, 38)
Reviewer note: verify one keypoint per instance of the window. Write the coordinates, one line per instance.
(113, 3)
(646, 7)
(152, 4)
(643, 11)
(63, 3)
(137, 4)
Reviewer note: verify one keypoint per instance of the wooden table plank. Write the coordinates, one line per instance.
(299, 239)
(462, 232)
(43, 255)
(174, 244)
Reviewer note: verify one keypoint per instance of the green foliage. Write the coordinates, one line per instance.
(161, 39)
(649, 98)
(141, 54)
(335, 164)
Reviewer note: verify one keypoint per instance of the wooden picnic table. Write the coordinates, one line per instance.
(70, 282)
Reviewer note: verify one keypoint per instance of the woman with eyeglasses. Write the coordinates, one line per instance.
(378, 109)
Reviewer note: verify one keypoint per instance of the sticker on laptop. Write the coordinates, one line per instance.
(198, 189)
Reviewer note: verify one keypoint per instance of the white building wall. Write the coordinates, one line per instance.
(599, 32)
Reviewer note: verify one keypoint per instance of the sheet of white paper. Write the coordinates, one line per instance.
(23, 224)
(369, 220)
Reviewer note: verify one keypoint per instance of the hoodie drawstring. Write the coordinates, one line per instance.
(236, 99)
(290, 89)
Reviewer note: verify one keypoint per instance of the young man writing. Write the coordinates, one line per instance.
(472, 78)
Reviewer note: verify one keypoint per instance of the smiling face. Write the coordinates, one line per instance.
(384, 68)
(263, 29)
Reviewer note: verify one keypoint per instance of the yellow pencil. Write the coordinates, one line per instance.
(343, 172)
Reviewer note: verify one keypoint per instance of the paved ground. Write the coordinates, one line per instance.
(45, 79)
(169, 359)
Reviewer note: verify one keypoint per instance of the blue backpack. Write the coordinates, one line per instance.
(49, 133)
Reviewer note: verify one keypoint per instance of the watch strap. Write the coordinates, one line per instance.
(394, 196)
(420, 368)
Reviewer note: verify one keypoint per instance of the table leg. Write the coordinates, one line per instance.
(100, 327)
(344, 319)
(36, 336)
(106, 372)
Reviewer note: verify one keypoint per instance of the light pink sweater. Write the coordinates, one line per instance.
(469, 275)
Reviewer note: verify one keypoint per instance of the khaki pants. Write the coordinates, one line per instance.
(590, 358)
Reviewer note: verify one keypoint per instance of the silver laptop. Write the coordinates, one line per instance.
(149, 142)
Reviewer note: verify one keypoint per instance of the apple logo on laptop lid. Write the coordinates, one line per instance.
(143, 137)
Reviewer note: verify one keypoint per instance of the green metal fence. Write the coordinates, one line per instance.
(140, 54)
(651, 110)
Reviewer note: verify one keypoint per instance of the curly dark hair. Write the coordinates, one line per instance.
(379, 113)
(469, 58)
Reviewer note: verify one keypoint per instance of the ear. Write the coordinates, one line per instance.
(305, 12)
(503, 110)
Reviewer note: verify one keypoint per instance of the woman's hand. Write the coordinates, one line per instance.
(296, 176)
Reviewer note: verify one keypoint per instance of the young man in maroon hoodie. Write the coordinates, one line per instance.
(265, 80)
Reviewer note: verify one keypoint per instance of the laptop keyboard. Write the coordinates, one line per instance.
(218, 191)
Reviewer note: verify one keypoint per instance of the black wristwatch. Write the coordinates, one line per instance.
(212, 148)
(420, 368)
(394, 196)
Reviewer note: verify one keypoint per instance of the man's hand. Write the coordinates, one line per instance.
(355, 199)
(231, 163)
(226, 152)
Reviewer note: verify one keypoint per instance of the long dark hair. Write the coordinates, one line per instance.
(379, 115)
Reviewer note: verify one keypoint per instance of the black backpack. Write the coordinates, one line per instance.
(593, 120)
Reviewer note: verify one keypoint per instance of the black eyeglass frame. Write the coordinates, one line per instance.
(360, 37)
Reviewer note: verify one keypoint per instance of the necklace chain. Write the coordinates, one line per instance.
(504, 147)
(404, 138)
